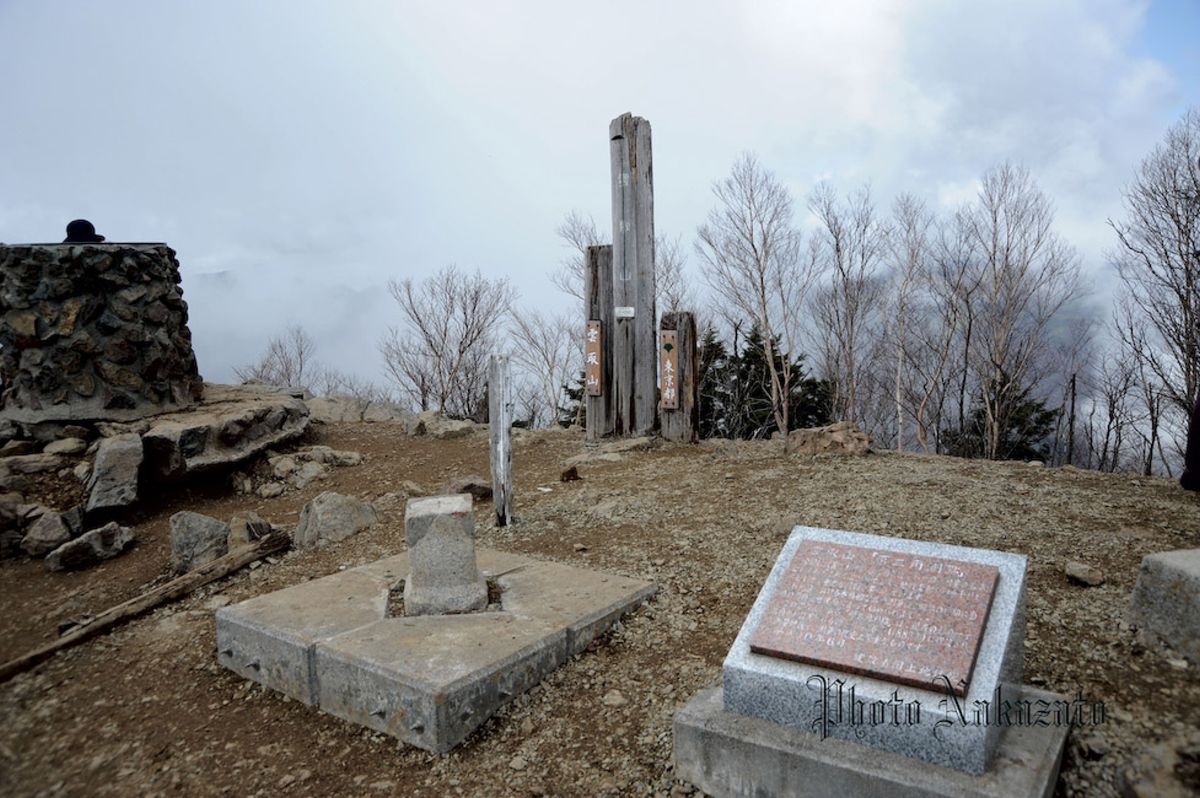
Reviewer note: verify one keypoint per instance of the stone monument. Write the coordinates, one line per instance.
(876, 666)
(441, 548)
(93, 331)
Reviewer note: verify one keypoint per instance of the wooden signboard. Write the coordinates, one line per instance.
(900, 617)
(668, 366)
(593, 358)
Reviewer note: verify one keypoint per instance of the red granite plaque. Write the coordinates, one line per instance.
(896, 616)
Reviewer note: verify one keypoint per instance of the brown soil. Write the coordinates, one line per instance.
(145, 710)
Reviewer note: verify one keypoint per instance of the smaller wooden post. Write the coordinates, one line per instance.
(500, 409)
(598, 293)
(679, 393)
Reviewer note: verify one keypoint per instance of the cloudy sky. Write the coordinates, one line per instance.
(297, 155)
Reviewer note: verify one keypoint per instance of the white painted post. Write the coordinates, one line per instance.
(500, 410)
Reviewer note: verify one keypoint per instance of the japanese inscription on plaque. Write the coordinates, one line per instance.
(668, 365)
(592, 352)
(901, 617)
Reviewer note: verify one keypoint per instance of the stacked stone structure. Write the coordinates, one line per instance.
(93, 332)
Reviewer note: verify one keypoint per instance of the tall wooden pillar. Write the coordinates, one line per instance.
(679, 402)
(633, 339)
(598, 377)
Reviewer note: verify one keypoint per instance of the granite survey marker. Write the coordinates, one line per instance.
(897, 616)
(429, 680)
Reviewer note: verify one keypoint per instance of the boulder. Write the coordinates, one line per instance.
(10, 525)
(1166, 601)
(341, 409)
(840, 438)
(91, 547)
(196, 539)
(16, 448)
(114, 479)
(232, 424)
(245, 529)
(46, 534)
(308, 472)
(331, 517)
(270, 490)
(66, 446)
(472, 484)
(438, 426)
(328, 456)
(627, 445)
(32, 463)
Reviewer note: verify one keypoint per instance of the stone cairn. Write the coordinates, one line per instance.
(93, 332)
(444, 576)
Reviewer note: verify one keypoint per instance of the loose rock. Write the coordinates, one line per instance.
(245, 529)
(1084, 574)
(472, 484)
(91, 547)
(196, 539)
(46, 534)
(840, 438)
(114, 480)
(66, 446)
(331, 517)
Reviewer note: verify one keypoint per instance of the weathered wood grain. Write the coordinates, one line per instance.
(598, 304)
(681, 422)
(635, 349)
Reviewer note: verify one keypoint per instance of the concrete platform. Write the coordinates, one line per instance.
(726, 754)
(428, 680)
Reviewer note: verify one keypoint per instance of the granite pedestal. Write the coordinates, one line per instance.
(893, 647)
(429, 680)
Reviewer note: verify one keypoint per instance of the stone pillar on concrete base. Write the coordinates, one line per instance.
(444, 577)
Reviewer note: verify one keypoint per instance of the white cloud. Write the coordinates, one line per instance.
(315, 150)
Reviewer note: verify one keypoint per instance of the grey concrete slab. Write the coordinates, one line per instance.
(586, 602)
(727, 755)
(799, 695)
(269, 639)
(1166, 601)
(432, 679)
(433, 683)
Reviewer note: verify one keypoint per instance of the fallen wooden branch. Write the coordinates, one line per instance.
(180, 586)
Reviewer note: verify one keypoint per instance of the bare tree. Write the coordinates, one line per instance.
(579, 232)
(937, 328)
(1026, 275)
(750, 256)
(853, 243)
(451, 321)
(1159, 265)
(547, 348)
(673, 292)
(287, 360)
(910, 251)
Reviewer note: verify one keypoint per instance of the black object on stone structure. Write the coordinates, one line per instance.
(1190, 480)
(81, 231)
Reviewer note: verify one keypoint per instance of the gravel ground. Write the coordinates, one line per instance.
(145, 710)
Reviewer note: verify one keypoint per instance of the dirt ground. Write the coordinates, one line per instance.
(144, 710)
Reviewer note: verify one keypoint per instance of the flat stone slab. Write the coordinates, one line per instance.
(727, 755)
(902, 618)
(428, 680)
(855, 660)
(1166, 601)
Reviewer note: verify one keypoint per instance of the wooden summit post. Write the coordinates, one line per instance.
(679, 403)
(634, 348)
(598, 288)
(500, 409)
